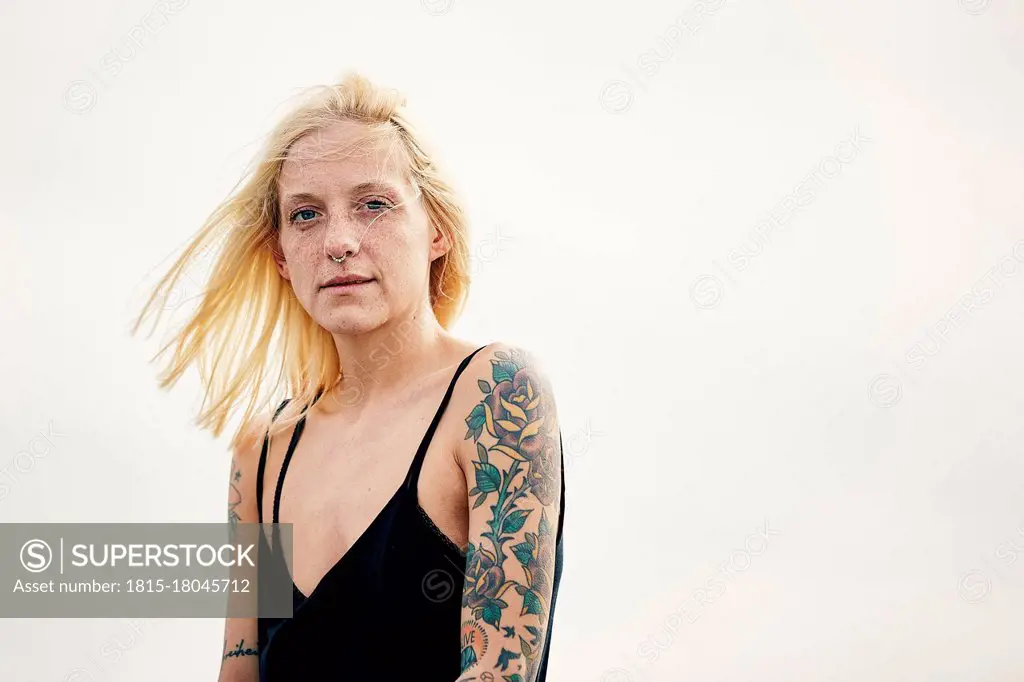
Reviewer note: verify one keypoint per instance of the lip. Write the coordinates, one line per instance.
(347, 282)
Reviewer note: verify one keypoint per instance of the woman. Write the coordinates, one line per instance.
(424, 472)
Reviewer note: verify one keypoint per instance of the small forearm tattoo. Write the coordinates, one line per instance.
(240, 650)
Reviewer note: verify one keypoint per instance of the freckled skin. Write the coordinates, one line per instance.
(391, 240)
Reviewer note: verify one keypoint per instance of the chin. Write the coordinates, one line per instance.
(351, 320)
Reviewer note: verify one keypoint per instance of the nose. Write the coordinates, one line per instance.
(343, 235)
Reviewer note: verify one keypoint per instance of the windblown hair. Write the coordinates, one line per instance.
(248, 323)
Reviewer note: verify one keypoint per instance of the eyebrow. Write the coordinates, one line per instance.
(382, 187)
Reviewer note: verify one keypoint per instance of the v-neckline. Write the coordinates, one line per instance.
(451, 544)
(337, 564)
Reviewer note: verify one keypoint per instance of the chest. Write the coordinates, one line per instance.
(340, 479)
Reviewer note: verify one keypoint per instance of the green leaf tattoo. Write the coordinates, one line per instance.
(516, 472)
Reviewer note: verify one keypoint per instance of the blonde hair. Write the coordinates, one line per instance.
(246, 307)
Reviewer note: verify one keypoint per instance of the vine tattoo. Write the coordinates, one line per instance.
(518, 475)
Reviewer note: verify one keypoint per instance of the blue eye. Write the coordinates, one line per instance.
(308, 212)
(307, 215)
(384, 205)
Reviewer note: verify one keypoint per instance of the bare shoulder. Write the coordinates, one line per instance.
(499, 362)
(505, 392)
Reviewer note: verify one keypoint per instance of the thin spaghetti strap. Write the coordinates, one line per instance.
(417, 462)
(263, 463)
(299, 426)
(296, 434)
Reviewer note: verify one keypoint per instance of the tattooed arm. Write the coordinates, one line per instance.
(240, 656)
(512, 461)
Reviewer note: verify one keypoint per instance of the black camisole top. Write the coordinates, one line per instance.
(391, 607)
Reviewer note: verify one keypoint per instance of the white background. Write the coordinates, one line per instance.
(621, 171)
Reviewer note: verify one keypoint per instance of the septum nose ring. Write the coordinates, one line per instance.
(343, 257)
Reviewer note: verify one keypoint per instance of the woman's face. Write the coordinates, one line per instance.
(340, 193)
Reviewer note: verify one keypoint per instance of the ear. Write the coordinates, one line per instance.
(439, 245)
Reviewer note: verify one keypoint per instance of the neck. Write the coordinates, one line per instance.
(379, 363)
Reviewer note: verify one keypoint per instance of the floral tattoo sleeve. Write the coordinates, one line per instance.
(515, 502)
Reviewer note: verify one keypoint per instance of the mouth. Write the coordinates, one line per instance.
(348, 283)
